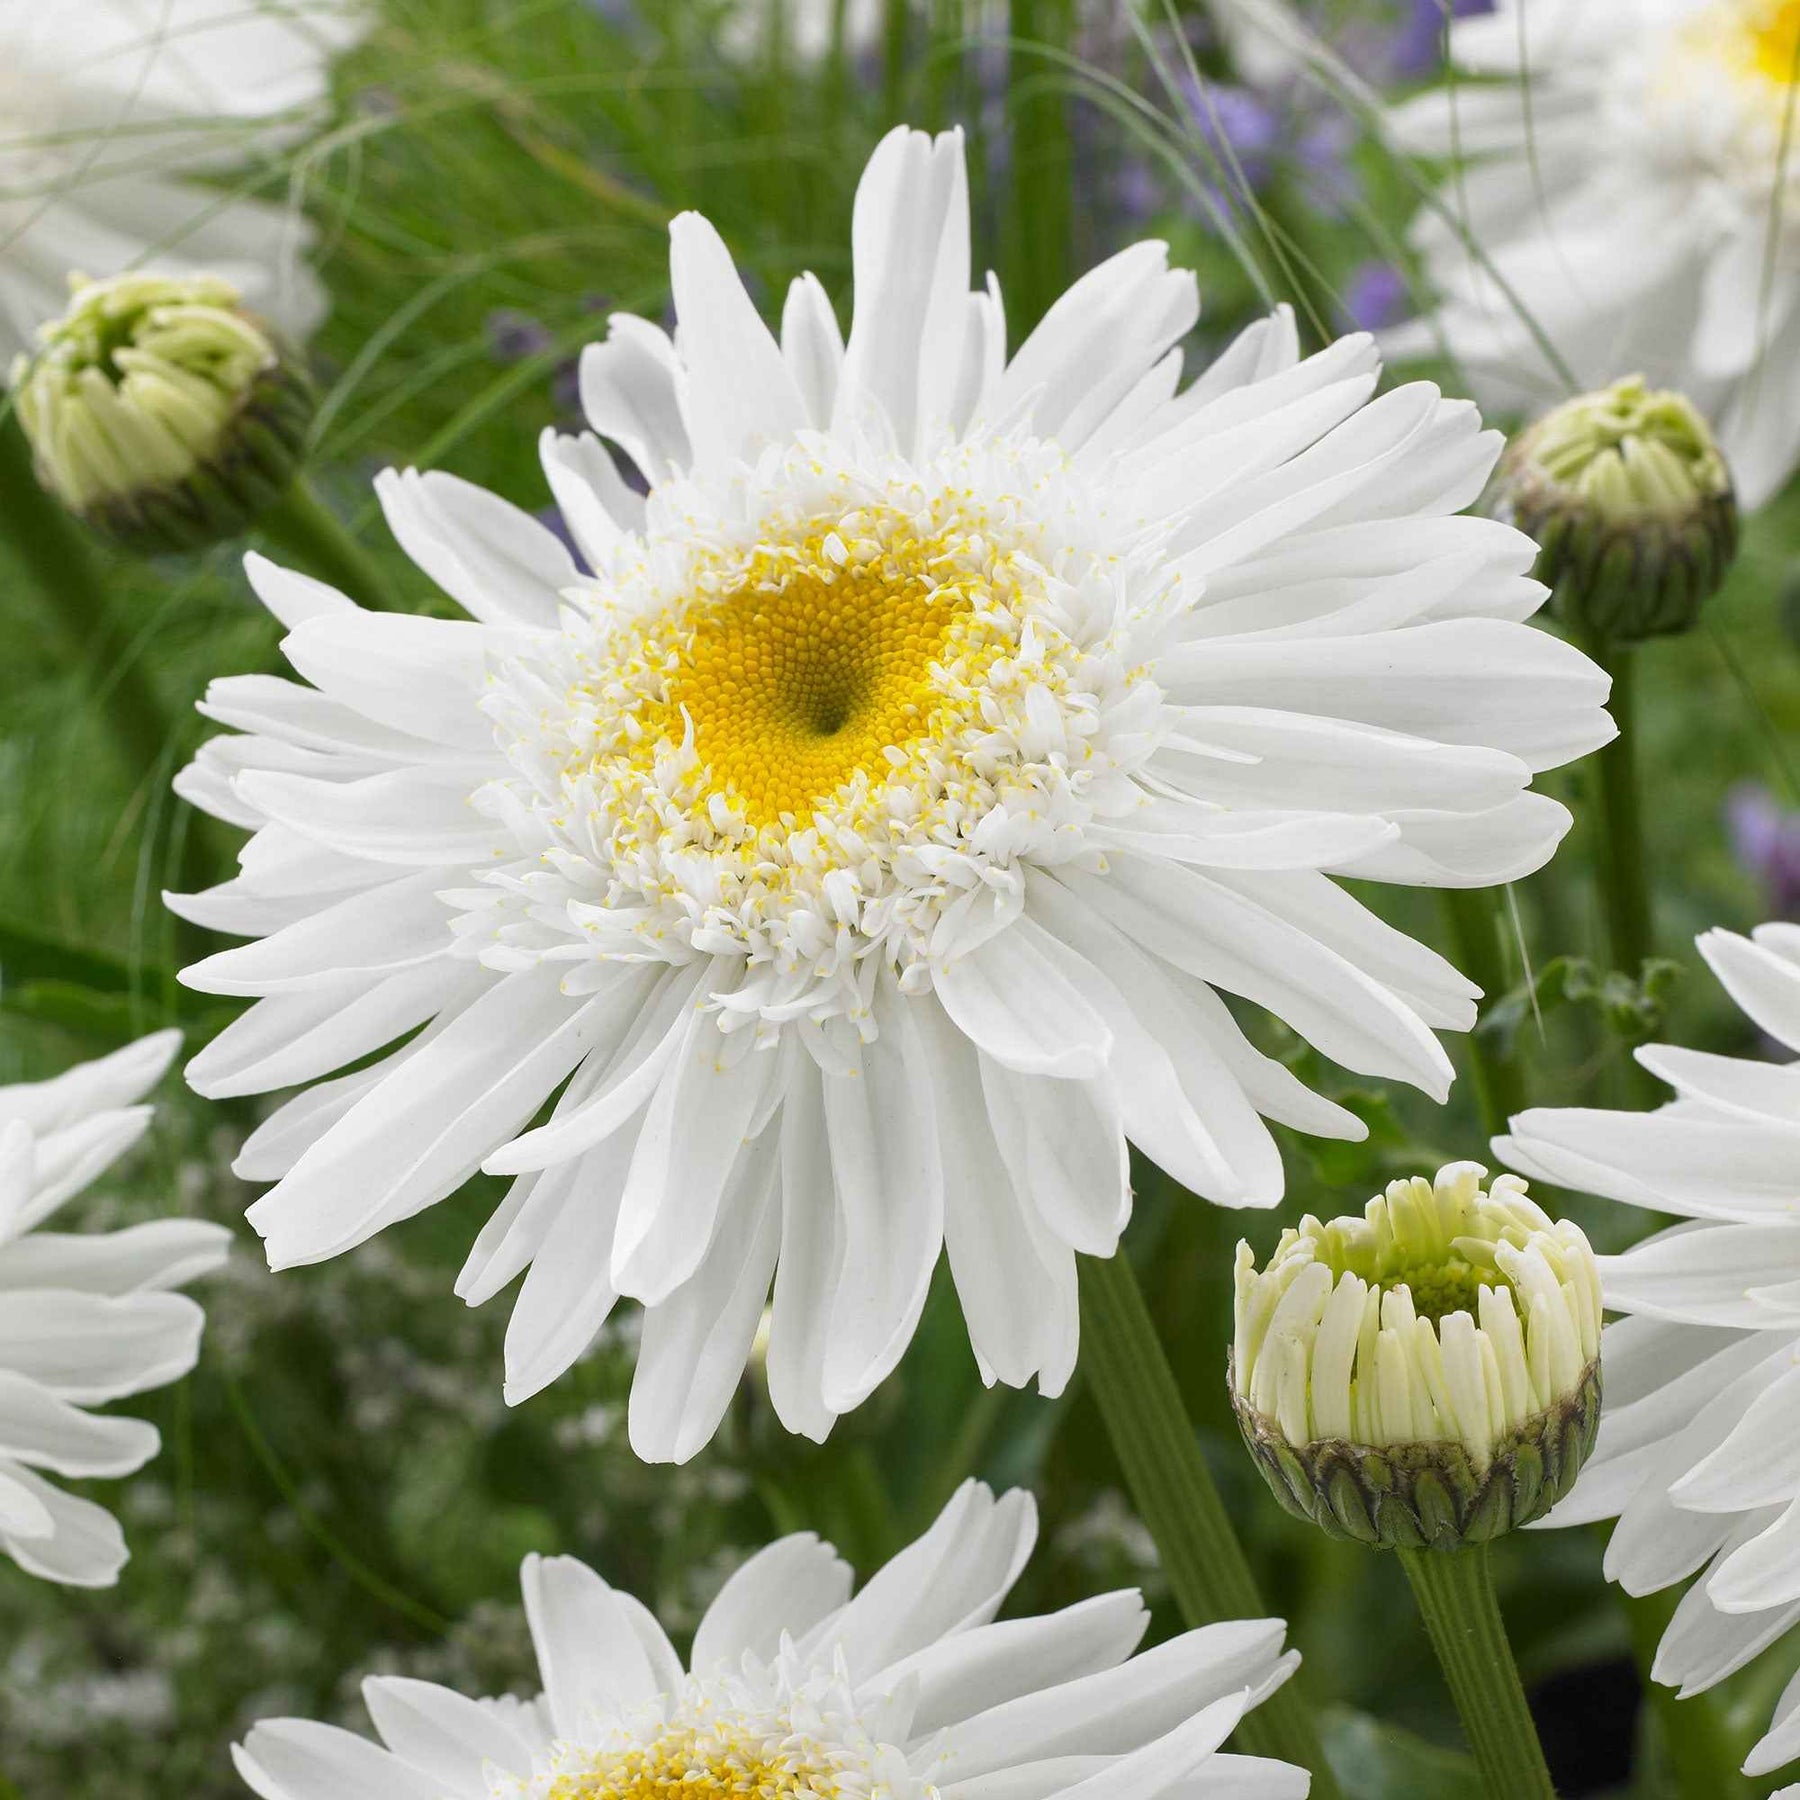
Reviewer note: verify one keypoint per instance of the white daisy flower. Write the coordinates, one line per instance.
(858, 857)
(1634, 197)
(84, 1318)
(112, 114)
(1697, 1455)
(794, 1689)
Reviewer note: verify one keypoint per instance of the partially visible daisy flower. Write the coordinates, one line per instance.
(1635, 197)
(795, 1690)
(1699, 1449)
(858, 858)
(84, 1318)
(112, 114)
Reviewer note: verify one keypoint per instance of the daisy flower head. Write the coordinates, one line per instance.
(1696, 1455)
(1628, 201)
(114, 114)
(84, 1317)
(858, 855)
(794, 1688)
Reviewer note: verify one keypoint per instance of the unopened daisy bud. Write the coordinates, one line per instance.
(161, 412)
(1632, 504)
(1426, 1375)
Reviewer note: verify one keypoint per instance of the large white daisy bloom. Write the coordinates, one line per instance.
(1699, 1447)
(794, 1690)
(1633, 196)
(84, 1318)
(110, 109)
(861, 852)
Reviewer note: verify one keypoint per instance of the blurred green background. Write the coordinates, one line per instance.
(341, 1489)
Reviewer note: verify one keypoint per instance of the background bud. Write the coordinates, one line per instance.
(161, 412)
(1632, 506)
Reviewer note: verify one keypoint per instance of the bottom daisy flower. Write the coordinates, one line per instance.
(795, 1689)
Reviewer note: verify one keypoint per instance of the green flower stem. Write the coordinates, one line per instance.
(1455, 1592)
(304, 527)
(60, 557)
(1474, 922)
(1173, 1491)
(1694, 1740)
(1624, 896)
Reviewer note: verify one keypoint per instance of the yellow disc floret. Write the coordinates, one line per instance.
(810, 670)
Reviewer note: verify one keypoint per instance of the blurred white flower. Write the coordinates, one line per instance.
(112, 115)
(867, 841)
(1634, 199)
(795, 1689)
(1699, 1448)
(83, 1318)
(803, 27)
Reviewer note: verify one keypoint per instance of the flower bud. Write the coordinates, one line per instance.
(1632, 506)
(1427, 1375)
(160, 411)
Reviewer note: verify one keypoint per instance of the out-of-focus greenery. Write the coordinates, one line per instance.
(341, 1488)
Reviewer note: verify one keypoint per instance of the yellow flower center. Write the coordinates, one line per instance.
(809, 671)
(700, 1763)
(1757, 39)
(1775, 40)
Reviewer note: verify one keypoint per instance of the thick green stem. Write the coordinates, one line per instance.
(1624, 897)
(1700, 1756)
(1455, 1592)
(1474, 922)
(304, 527)
(60, 557)
(1173, 1491)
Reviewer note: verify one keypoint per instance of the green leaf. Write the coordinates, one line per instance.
(1376, 1760)
(97, 995)
(1627, 1008)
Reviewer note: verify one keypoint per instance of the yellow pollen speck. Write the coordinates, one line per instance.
(807, 672)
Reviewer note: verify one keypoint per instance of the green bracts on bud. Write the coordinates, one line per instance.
(1428, 1496)
(1632, 506)
(1424, 1376)
(162, 413)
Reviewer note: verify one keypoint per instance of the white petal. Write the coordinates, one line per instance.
(739, 393)
(788, 1586)
(593, 1665)
(444, 1735)
(497, 561)
(889, 1183)
(297, 1759)
(696, 1342)
(1011, 1000)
